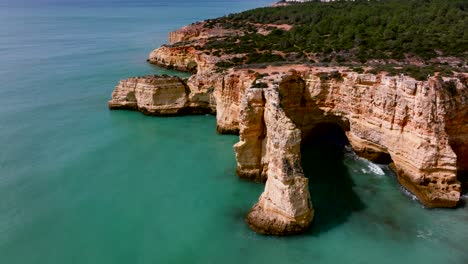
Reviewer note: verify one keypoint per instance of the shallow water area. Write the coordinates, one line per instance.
(82, 184)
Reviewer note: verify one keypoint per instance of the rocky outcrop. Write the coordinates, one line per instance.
(156, 95)
(284, 207)
(201, 93)
(228, 99)
(187, 33)
(251, 163)
(185, 52)
(455, 101)
(420, 125)
(200, 31)
(184, 58)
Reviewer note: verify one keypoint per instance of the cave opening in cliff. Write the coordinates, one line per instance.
(461, 150)
(323, 151)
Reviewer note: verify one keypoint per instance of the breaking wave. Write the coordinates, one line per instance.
(371, 168)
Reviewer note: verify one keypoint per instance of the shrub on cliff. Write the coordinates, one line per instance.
(328, 76)
(385, 29)
(256, 57)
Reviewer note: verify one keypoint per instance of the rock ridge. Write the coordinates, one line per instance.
(157, 95)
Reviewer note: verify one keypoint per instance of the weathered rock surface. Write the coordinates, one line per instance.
(184, 58)
(156, 95)
(182, 54)
(201, 93)
(398, 116)
(187, 33)
(228, 98)
(419, 126)
(285, 206)
(198, 31)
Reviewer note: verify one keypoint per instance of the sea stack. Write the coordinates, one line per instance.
(417, 125)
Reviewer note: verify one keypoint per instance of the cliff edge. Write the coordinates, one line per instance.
(420, 127)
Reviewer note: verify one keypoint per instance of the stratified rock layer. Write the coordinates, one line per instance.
(398, 116)
(156, 95)
(198, 31)
(183, 58)
(419, 126)
(201, 93)
(285, 206)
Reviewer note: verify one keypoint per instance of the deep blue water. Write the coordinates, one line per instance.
(81, 184)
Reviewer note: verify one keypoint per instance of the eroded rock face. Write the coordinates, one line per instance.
(182, 53)
(284, 207)
(212, 93)
(156, 95)
(418, 124)
(421, 126)
(187, 33)
(401, 117)
(184, 58)
(456, 120)
(228, 97)
(199, 31)
(250, 149)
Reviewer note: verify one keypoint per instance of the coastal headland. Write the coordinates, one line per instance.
(409, 110)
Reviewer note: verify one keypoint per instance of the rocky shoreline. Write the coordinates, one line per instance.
(421, 127)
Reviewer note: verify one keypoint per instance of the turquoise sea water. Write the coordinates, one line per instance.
(81, 184)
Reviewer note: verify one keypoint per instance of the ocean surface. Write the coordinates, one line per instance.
(82, 184)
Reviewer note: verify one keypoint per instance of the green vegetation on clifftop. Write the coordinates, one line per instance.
(356, 32)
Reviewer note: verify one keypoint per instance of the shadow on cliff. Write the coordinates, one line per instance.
(330, 185)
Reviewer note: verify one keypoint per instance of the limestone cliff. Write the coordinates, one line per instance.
(421, 127)
(222, 91)
(398, 116)
(185, 52)
(186, 33)
(199, 31)
(201, 93)
(156, 95)
(270, 139)
(183, 58)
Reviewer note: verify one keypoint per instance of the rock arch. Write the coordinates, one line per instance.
(422, 126)
(332, 189)
(384, 119)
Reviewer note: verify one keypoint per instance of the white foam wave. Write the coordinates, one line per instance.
(371, 168)
(374, 168)
(408, 193)
(425, 234)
